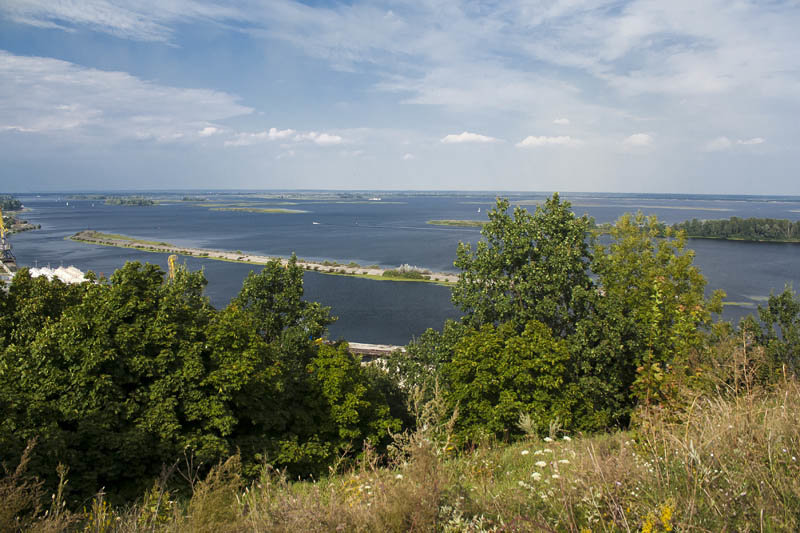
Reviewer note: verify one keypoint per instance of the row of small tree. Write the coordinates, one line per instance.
(756, 229)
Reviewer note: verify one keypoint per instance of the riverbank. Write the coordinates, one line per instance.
(14, 224)
(323, 267)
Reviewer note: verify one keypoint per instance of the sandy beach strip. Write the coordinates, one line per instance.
(94, 237)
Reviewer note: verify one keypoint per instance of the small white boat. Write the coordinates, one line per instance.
(479, 210)
(315, 223)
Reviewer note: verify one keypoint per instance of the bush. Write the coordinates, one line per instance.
(496, 374)
(402, 274)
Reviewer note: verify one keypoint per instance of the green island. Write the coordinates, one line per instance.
(90, 235)
(273, 210)
(130, 200)
(194, 199)
(584, 388)
(87, 197)
(460, 223)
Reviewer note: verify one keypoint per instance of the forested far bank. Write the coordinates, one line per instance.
(744, 229)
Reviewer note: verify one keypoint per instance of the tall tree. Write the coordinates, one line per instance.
(527, 267)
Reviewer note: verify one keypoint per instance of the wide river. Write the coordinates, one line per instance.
(387, 232)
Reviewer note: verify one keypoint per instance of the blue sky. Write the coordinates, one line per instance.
(570, 95)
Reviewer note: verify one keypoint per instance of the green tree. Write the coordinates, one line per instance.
(648, 316)
(418, 367)
(496, 374)
(529, 267)
(633, 310)
(779, 333)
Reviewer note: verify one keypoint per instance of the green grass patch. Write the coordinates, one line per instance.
(459, 223)
(117, 237)
(270, 210)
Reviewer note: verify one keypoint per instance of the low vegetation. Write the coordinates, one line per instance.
(460, 223)
(586, 388)
(273, 210)
(108, 238)
(730, 463)
(130, 200)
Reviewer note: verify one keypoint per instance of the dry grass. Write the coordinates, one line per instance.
(726, 464)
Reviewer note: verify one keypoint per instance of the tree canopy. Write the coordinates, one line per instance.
(527, 267)
(624, 314)
(119, 377)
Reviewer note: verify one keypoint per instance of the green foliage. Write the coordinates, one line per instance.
(130, 200)
(9, 203)
(117, 378)
(404, 274)
(779, 333)
(648, 315)
(419, 366)
(529, 267)
(497, 373)
(632, 313)
(747, 229)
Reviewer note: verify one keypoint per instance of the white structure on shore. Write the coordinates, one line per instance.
(69, 274)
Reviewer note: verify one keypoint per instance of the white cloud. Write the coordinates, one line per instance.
(717, 145)
(638, 139)
(408, 157)
(754, 140)
(322, 139)
(275, 133)
(467, 137)
(49, 96)
(143, 20)
(532, 141)
(561, 121)
(248, 139)
(207, 131)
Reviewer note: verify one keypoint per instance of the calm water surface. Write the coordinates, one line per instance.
(388, 233)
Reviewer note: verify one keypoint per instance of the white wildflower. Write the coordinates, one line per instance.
(555, 476)
(566, 438)
(525, 452)
(548, 439)
(564, 461)
(541, 464)
(548, 450)
(536, 476)
(399, 476)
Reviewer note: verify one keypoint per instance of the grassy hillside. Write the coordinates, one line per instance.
(725, 463)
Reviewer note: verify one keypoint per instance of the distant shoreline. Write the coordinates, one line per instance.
(326, 267)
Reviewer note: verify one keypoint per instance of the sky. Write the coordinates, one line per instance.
(682, 96)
